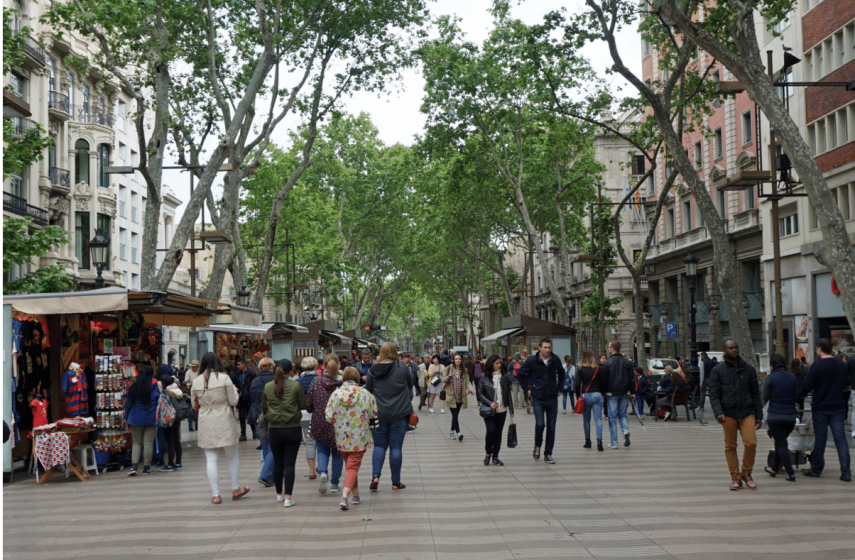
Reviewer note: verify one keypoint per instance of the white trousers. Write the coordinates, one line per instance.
(212, 455)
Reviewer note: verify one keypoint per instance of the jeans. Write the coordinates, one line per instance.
(745, 427)
(617, 411)
(323, 457)
(267, 469)
(455, 412)
(285, 444)
(593, 405)
(545, 415)
(159, 446)
(779, 430)
(518, 395)
(389, 434)
(572, 398)
(703, 396)
(822, 420)
(493, 440)
(193, 419)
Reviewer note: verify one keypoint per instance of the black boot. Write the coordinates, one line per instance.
(599, 445)
(587, 443)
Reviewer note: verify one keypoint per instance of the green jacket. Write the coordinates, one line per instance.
(284, 412)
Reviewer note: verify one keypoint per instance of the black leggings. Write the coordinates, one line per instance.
(780, 430)
(455, 412)
(493, 440)
(285, 444)
(173, 444)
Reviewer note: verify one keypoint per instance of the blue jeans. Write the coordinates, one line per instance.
(617, 411)
(160, 446)
(703, 391)
(545, 415)
(593, 403)
(267, 469)
(323, 458)
(389, 434)
(822, 420)
(564, 394)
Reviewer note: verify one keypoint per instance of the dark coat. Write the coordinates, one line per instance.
(734, 391)
(542, 379)
(487, 393)
(619, 375)
(585, 377)
(255, 389)
(317, 396)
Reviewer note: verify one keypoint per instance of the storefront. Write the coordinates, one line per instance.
(109, 333)
(523, 332)
(831, 321)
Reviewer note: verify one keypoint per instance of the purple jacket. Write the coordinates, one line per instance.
(317, 396)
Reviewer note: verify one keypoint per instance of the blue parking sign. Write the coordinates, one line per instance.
(670, 330)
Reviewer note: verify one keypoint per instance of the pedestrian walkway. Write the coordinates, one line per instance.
(666, 496)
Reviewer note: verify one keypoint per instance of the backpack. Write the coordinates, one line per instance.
(165, 410)
(477, 370)
(182, 409)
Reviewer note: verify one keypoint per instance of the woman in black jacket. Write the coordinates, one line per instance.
(590, 385)
(494, 391)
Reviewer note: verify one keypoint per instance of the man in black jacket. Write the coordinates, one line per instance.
(619, 383)
(735, 399)
(539, 375)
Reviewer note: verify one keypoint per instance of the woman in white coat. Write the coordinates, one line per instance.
(214, 395)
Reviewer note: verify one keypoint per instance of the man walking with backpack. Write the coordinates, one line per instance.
(540, 376)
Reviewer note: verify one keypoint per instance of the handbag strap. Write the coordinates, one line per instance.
(592, 379)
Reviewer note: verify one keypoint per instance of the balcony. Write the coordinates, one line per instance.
(627, 286)
(61, 177)
(744, 220)
(17, 205)
(21, 125)
(58, 105)
(91, 114)
(32, 49)
(684, 240)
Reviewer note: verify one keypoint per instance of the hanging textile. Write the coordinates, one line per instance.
(52, 449)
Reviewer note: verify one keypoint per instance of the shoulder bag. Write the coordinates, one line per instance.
(580, 402)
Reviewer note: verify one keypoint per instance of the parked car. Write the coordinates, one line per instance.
(656, 368)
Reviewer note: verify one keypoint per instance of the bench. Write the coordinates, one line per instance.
(680, 397)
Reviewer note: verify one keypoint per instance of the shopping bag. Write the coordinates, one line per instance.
(512, 435)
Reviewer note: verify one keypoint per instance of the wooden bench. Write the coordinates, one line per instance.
(680, 397)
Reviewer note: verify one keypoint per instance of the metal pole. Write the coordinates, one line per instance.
(531, 273)
(602, 280)
(693, 332)
(192, 248)
(780, 345)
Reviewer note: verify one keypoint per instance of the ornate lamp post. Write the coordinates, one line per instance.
(691, 262)
(99, 248)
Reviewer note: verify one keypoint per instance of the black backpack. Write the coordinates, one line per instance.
(182, 409)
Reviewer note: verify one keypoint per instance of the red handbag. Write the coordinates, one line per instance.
(580, 402)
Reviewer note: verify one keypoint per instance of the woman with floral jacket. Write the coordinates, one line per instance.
(349, 410)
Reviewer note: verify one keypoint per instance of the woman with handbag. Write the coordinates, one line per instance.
(589, 394)
(457, 386)
(390, 382)
(213, 395)
(283, 401)
(495, 401)
(349, 411)
(141, 416)
(435, 386)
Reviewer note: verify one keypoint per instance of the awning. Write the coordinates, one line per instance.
(92, 301)
(286, 327)
(502, 334)
(334, 335)
(245, 316)
(235, 328)
(362, 343)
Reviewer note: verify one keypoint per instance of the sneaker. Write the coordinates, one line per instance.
(355, 500)
(442, 411)
(564, 411)
(146, 470)
(548, 460)
(280, 497)
(191, 429)
(459, 436)
(335, 488)
(343, 505)
(451, 434)
(612, 446)
(536, 453)
(132, 472)
(322, 487)
(288, 503)
(265, 483)
(242, 438)
(430, 410)
(167, 468)
(626, 440)
(177, 466)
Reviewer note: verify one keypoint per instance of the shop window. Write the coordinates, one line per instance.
(82, 234)
(81, 162)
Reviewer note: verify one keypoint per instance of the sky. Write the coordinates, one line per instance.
(396, 113)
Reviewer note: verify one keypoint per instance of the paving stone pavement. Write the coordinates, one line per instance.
(666, 496)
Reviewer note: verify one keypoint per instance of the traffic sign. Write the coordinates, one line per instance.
(670, 330)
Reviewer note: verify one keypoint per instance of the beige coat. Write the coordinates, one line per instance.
(217, 424)
(465, 387)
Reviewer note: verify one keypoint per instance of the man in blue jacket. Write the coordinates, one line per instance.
(827, 378)
(365, 365)
(541, 376)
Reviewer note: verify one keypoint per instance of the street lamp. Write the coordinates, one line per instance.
(243, 297)
(691, 262)
(99, 247)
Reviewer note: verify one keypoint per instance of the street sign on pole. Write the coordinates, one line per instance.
(670, 330)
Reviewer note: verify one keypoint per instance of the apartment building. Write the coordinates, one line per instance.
(88, 116)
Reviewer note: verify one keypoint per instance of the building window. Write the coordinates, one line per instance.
(135, 240)
(749, 198)
(687, 216)
(85, 89)
(670, 231)
(123, 242)
(134, 201)
(81, 240)
(81, 162)
(844, 125)
(135, 162)
(123, 201)
(746, 127)
(142, 211)
(135, 281)
(823, 141)
(104, 225)
(52, 75)
(646, 47)
(843, 200)
(70, 91)
(123, 152)
(19, 185)
(103, 164)
(717, 141)
(122, 111)
(125, 279)
(832, 130)
(779, 27)
(788, 225)
(699, 155)
(716, 77)
(722, 204)
(18, 84)
(812, 139)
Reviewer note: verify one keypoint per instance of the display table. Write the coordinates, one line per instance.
(75, 434)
